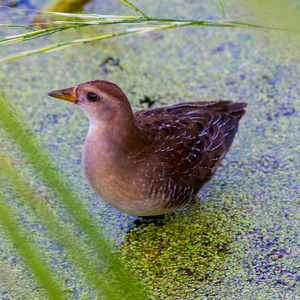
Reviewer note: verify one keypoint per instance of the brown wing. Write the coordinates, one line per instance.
(196, 136)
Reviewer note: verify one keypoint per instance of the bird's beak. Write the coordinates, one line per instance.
(66, 94)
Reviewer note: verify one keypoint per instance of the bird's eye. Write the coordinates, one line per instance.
(92, 97)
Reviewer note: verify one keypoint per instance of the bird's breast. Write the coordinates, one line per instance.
(114, 177)
(130, 185)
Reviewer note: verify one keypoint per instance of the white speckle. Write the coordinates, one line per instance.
(194, 112)
(185, 172)
(207, 148)
(169, 183)
(215, 135)
(196, 118)
(171, 173)
(217, 146)
(202, 133)
(233, 127)
(225, 122)
(217, 120)
(211, 119)
(189, 136)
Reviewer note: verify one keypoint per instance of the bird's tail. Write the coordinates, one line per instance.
(238, 109)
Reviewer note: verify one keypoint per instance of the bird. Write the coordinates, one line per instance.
(153, 161)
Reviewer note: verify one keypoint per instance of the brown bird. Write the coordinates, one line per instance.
(153, 161)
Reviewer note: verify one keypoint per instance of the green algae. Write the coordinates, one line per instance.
(240, 239)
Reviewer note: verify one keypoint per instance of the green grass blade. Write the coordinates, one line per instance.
(85, 15)
(124, 283)
(76, 250)
(56, 47)
(28, 251)
(147, 28)
(221, 7)
(128, 4)
(150, 24)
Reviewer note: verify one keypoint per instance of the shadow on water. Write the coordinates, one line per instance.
(184, 245)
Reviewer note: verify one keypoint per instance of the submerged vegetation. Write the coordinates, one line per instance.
(240, 238)
(145, 23)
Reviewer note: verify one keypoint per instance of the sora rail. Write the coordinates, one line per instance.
(153, 161)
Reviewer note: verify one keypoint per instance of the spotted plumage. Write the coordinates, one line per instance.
(190, 140)
(152, 161)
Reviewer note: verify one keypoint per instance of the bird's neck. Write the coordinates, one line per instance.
(120, 137)
(108, 150)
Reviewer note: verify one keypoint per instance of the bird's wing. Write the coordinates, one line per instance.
(190, 139)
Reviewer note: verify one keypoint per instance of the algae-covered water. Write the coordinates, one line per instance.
(240, 238)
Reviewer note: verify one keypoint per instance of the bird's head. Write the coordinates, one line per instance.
(101, 100)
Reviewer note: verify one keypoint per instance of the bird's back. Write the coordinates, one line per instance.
(187, 142)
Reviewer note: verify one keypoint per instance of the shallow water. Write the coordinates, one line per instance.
(240, 238)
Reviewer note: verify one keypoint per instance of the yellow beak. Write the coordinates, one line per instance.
(66, 94)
